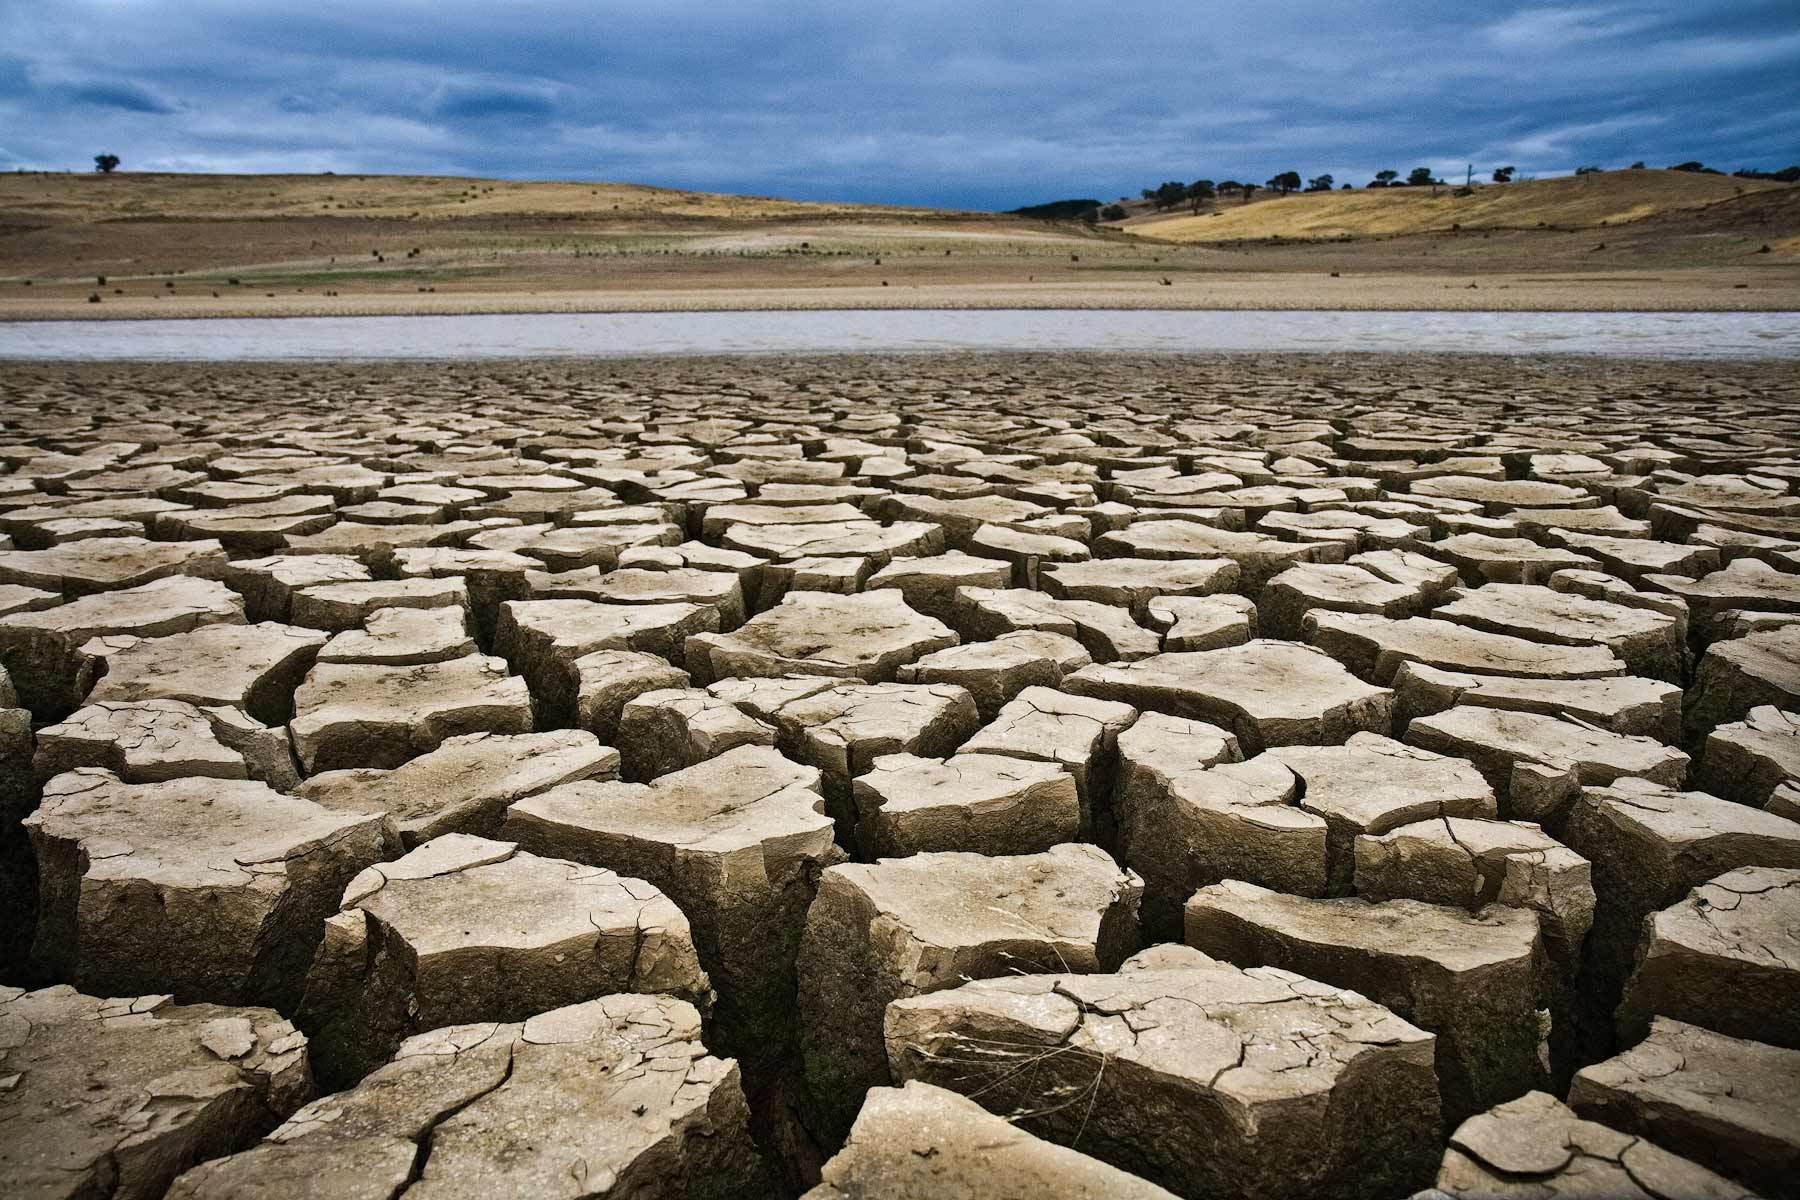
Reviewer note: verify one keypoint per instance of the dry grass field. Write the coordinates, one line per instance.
(1576, 202)
(128, 245)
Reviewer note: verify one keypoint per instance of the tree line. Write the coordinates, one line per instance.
(1198, 194)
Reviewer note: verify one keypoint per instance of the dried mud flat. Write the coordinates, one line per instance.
(918, 776)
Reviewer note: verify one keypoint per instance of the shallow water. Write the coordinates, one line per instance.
(541, 335)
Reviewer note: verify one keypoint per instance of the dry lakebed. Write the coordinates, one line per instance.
(936, 775)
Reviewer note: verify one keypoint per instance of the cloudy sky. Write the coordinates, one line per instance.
(972, 103)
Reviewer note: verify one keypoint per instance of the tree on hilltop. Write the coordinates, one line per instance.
(1320, 183)
(1422, 177)
(106, 164)
(1169, 195)
(1282, 184)
(1384, 179)
(1198, 193)
(1505, 174)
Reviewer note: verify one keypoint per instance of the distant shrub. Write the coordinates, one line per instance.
(1056, 210)
(1785, 175)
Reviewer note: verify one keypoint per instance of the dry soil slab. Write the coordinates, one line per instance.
(1622, 704)
(1649, 845)
(1078, 733)
(993, 672)
(673, 728)
(268, 584)
(902, 927)
(867, 636)
(209, 889)
(1375, 647)
(1189, 815)
(1538, 764)
(1742, 674)
(1262, 1082)
(1727, 957)
(92, 565)
(152, 741)
(1650, 643)
(543, 640)
(115, 1097)
(466, 929)
(42, 649)
(1267, 693)
(255, 668)
(982, 803)
(466, 784)
(1372, 784)
(1537, 1146)
(1474, 979)
(1750, 760)
(610, 1097)
(403, 637)
(1721, 1101)
(737, 842)
(842, 728)
(375, 716)
(920, 1142)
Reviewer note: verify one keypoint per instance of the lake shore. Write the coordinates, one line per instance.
(626, 335)
(1375, 378)
(1706, 290)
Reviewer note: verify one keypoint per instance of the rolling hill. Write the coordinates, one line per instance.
(151, 245)
(92, 197)
(1577, 202)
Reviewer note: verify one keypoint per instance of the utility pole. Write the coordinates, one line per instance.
(1469, 176)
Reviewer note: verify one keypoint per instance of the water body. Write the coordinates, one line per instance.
(559, 335)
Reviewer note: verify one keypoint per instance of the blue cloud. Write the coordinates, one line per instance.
(952, 102)
(125, 96)
(493, 103)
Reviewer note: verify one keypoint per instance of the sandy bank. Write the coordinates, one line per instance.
(1707, 290)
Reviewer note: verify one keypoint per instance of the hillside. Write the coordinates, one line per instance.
(130, 245)
(31, 198)
(1576, 202)
(163, 237)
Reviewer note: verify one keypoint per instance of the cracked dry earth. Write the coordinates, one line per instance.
(900, 777)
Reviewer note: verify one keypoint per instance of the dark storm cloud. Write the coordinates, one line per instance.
(488, 103)
(124, 96)
(935, 101)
